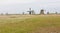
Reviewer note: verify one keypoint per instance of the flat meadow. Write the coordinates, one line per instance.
(29, 23)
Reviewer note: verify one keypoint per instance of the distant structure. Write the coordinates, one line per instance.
(33, 12)
(47, 12)
(42, 11)
(56, 13)
(1, 13)
(23, 13)
(30, 11)
(6, 13)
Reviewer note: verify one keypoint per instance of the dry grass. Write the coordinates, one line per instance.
(30, 24)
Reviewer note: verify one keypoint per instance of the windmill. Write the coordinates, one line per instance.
(47, 12)
(42, 11)
(33, 12)
(56, 13)
(30, 11)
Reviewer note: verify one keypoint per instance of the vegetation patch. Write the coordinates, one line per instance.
(30, 25)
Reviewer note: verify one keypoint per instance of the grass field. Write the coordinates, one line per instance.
(30, 24)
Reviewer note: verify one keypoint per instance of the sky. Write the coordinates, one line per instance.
(19, 6)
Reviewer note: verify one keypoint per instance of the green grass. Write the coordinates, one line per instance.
(28, 25)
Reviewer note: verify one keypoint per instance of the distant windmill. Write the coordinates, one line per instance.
(47, 12)
(56, 13)
(23, 13)
(6, 13)
(1, 13)
(33, 12)
(30, 11)
(42, 11)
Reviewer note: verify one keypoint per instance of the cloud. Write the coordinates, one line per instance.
(21, 5)
(5, 2)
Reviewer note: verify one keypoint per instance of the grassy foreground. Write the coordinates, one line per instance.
(38, 24)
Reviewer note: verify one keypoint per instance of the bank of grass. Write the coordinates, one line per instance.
(29, 25)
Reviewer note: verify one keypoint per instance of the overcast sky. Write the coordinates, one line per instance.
(19, 6)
